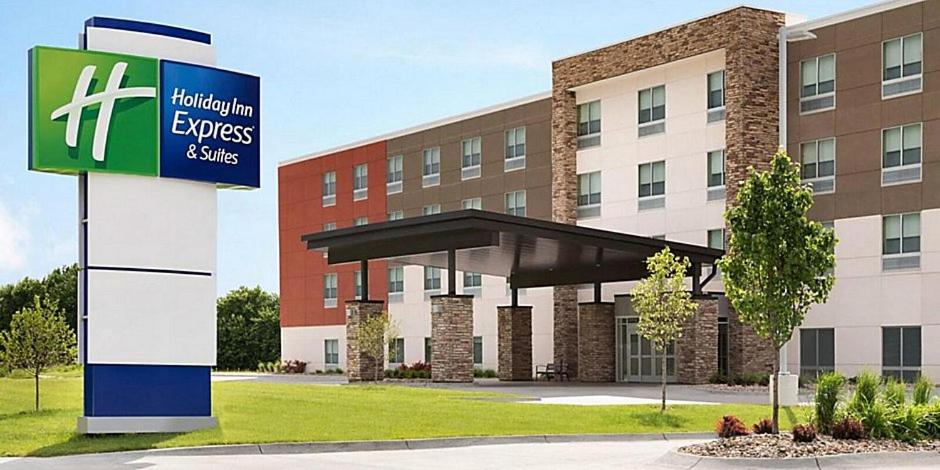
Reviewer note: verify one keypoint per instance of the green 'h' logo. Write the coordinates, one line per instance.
(93, 111)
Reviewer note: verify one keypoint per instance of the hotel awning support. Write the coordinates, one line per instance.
(364, 279)
(451, 272)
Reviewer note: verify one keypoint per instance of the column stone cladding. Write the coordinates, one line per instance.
(748, 353)
(749, 38)
(359, 366)
(565, 327)
(697, 349)
(515, 342)
(596, 342)
(452, 338)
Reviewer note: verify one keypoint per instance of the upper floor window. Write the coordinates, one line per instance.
(818, 162)
(432, 278)
(652, 110)
(716, 168)
(357, 278)
(431, 209)
(652, 185)
(902, 65)
(818, 83)
(360, 182)
(716, 96)
(473, 203)
(329, 290)
(515, 203)
(393, 174)
(515, 149)
(431, 169)
(329, 188)
(716, 239)
(396, 280)
(589, 124)
(396, 215)
(901, 241)
(470, 159)
(901, 154)
(329, 226)
(472, 280)
(589, 194)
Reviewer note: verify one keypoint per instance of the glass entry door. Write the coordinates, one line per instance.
(637, 359)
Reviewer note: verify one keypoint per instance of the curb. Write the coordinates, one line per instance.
(410, 444)
(868, 459)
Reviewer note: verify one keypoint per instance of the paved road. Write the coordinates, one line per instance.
(576, 456)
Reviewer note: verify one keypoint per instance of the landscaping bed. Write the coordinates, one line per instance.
(770, 446)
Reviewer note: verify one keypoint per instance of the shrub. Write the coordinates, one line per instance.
(268, 367)
(906, 423)
(764, 426)
(718, 378)
(477, 372)
(848, 428)
(893, 393)
(866, 391)
(828, 389)
(875, 418)
(730, 426)
(930, 425)
(923, 391)
(294, 367)
(489, 373)
(804, 433)
(752, 378)
(337, 371)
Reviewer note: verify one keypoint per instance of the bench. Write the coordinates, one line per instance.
(552, 371)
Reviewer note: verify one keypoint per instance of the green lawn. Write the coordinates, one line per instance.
(255, 412)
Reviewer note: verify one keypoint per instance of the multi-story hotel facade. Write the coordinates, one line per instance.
(652, 136)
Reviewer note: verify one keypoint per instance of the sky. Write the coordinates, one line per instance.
(331, 73)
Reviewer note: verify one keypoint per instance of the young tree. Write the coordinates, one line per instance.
(38, 338)
(375, 332)
(663, 304)
(778, 263)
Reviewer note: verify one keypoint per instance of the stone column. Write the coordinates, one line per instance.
(697, 349)
(596, 342)
(747, 352)
(515, 342)
(359, 366)
(565, 333)
(452, 338)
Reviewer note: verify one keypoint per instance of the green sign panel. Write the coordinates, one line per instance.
(93, 111)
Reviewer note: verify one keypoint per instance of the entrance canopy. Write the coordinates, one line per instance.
(530, 252)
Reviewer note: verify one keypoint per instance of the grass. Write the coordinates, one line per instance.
(252, 412)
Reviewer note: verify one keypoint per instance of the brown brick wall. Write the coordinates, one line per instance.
(697, 349)
(452, 338)
(359, 366)
(596, 342)
(515, 342)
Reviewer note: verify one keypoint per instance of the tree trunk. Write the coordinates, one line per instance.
(663, 358)
(36, 377)
(776, 390)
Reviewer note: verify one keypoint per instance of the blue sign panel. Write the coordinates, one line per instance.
(210, 125)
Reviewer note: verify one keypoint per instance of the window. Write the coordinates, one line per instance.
(360, 182)
(396, 351)
(716, 96)
(329, 188)
(900, 352)
(357, 278)
(901, 241)
(396, 215)
(427, 350)
(477, 350)
(473, 203)
(470, 160)
(818, 84)
(360, 221)
(515, 149)
(331, 352)
(901, 154)
(716, 169)
(818, 162)
(515, 203)
(432, 278)
(716, 238)
(652, 179)
(817, 351)
(431, 209)
(329, 226)
(329, 290)
(431, 170)
(471, 280)
(393, 174)
(902, 66)
(589, 124)
(589, 195)
(396, 280)
(652, 110)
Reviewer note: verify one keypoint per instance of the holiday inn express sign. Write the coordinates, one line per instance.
(104, 112)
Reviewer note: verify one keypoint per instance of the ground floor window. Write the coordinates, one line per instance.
(396, 351)
(723, 342)
(478, 350)
(331, 352)
(427, 350)
(817, 351)
(900, 352)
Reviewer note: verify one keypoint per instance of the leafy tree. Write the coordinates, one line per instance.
(248, 328)
(38, 338)
(375, 332)
(778, 263)
(14, 297)
(663, 304)
(60, 285)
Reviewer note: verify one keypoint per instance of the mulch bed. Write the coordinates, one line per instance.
(782, 446)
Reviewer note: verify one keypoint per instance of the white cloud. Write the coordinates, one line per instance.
(13, 238)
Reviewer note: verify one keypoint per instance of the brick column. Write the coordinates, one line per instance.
(452, 338)
(747, 352)
(596, 342)
(565, 333)
(697, 349)
(515, 342)
(359, 366)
